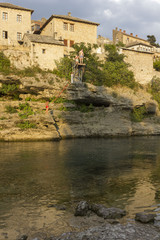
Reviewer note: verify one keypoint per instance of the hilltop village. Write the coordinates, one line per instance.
(83, 110)
(27, 42)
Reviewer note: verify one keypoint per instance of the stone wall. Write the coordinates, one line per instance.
(45, 55)
(141, 64)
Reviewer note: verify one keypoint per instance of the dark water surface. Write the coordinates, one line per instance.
(123, 172)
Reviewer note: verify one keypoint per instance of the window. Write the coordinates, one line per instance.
(5, 34)
(5, 16)
(19, 18)
(19, 36)
(65, 26)
(37, 26)
(43, 50)
(65, 42)
(72, 27)
(71, 43)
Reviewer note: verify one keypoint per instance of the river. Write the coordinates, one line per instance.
(41, 182)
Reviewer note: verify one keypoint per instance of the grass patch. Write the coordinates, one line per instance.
(26, 125)
(26, 110)
(3, 118)
(10, 109)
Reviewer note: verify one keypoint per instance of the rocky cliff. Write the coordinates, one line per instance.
(82, 110)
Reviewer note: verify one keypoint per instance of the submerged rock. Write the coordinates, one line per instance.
(145, 217)
(82, 209)
(107, 213)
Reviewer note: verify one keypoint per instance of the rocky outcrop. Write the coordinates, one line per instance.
(82, 110)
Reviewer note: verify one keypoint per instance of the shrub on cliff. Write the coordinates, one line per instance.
(156, 65)
(154, 89)
(4, 63)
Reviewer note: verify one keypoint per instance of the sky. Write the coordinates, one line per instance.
(140, 17)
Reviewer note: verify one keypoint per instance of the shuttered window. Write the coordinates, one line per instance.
(71, 43)
(65, 42)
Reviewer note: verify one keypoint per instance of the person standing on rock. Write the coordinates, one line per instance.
(81, 55)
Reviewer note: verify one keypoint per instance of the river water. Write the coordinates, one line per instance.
(38, 180)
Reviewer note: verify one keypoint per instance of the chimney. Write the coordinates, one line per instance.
(69, 14)
(120, 30)
(131, 34)
(136, 35)
(124, 31)
(116, 28)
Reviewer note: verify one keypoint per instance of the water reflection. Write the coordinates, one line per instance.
(120, 172)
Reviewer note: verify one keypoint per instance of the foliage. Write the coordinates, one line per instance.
(117, 73)
(113, 71)
(26, 125)
(112, 54)
(10, 109)
(152, 40)
(9, 88)
(84, 108)
(156, 65)
(26, 110)
(154, 89)
(29, 72)
(64, 67)
(138, 114)
(4, 63)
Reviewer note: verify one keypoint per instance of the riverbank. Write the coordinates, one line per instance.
(79, 111)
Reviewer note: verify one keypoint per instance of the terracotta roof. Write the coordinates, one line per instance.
(138, 43)
(70, 18)
(43, 39)
(9, 5)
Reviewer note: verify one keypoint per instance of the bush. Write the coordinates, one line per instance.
(154, 89)
(26, 125)
(138, 114)
(9, 88)
(26, 110)
(114, 71)
(10, 109)
(4, 63)
(156, 65)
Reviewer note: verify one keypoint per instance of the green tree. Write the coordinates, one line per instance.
(152, 40)
(113, 71)
(156, 65)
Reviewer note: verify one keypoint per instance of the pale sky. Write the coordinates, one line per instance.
(141, 17)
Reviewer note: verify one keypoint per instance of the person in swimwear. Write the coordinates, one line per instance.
(81, 55)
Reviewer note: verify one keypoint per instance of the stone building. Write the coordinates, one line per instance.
(44, 50)
(37, 24)
(140, 46)
(123, 37)
(15, 22)
(70, 29)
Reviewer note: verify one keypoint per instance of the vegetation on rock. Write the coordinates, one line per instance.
(138, 114)
(156, 64)
(113, 71)
(26, 125)
(154, 89)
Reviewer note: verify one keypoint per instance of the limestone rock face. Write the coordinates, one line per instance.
(81, 110)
